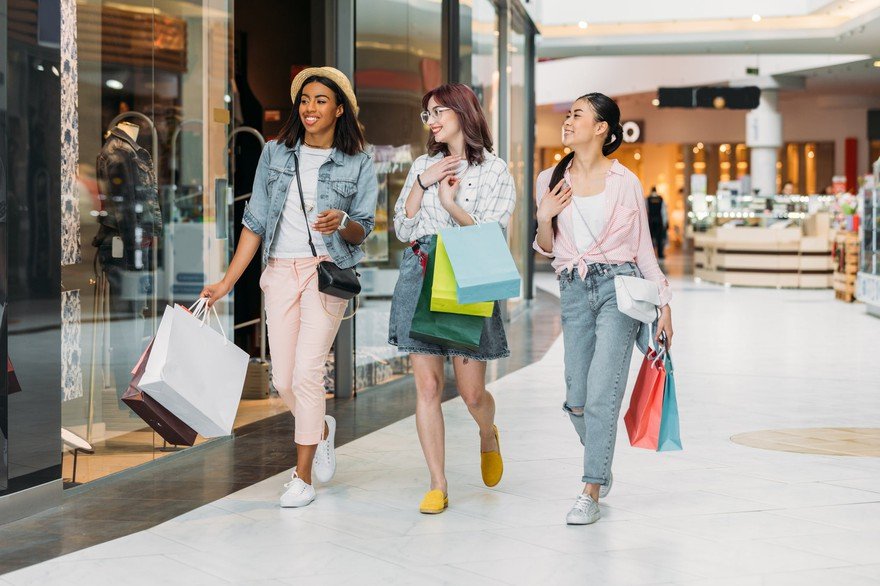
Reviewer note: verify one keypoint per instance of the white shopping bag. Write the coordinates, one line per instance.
(195, 372)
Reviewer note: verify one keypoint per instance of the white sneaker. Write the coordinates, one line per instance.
(584, 511)
(606, 488)
(298, 493)
(324, 464)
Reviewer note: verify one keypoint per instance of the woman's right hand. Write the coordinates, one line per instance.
(215, 292)
(440, 170)
(554, 201)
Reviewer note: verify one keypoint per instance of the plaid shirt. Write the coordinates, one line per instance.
(487, 194)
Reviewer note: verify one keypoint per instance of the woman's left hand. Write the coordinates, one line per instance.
(448, 190)
(664, 327)
(328, 221)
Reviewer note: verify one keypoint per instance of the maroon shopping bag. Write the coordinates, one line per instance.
(645, 411)
(12, 384)
(164, 422)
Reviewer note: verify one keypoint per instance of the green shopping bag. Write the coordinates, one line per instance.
(444, 291)
(451, 330)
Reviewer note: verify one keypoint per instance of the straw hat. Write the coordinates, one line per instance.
(330, 73)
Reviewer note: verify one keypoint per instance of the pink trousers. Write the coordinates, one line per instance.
(302, 323)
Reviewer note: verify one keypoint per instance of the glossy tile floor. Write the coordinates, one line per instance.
(716, 513)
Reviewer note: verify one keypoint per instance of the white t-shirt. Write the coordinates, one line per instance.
(292, 238)
(589, 211)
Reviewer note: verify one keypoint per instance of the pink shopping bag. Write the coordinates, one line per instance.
(645, 411)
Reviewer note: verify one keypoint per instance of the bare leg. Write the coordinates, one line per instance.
(471, 378)
(429, 377)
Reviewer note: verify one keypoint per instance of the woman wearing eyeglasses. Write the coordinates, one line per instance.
(458, 183)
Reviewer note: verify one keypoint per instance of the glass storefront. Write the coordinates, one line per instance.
(164, 105)
(152, 204)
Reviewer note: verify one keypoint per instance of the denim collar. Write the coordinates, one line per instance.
(122, 135)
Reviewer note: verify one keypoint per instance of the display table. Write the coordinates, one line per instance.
(765, 257)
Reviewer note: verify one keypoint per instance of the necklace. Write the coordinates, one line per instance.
(311, 146)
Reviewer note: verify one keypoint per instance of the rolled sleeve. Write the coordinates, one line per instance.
(405, 227)
(257, 207)
(499, 205)
(363, 209)
(645, 257)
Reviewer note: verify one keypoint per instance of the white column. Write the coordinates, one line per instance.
(764, 137)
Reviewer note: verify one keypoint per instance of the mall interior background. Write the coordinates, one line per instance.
(207, 81)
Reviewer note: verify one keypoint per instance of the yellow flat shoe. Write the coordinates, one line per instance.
(434, 502)
(491, 464)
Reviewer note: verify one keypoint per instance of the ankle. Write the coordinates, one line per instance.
(439, 485)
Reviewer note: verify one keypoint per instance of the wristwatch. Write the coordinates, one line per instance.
(343, 223)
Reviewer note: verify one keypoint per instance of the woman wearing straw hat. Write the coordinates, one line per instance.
(317, 169)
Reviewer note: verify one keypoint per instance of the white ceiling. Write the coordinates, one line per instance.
(644, 27)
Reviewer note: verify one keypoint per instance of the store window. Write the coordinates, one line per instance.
(518, 232)
(154, 94)
(480, 37)
(397, 60)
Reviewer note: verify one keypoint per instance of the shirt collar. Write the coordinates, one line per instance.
(616, 167)
(122, 135)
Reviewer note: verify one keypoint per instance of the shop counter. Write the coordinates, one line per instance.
(764, 257)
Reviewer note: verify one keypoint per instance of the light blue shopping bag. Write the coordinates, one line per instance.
(483, 266)
(670, 435)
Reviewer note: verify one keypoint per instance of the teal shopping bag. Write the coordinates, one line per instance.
(483, 266)
(450, 330)
(670, 435)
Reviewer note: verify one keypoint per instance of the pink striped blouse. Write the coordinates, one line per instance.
(626, 237)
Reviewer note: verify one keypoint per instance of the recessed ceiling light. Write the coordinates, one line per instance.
(877, 63)
(756, 18)
(655, 102)
(114, 84)
(583, 24)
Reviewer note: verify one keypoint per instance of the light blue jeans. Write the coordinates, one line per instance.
(598, 347)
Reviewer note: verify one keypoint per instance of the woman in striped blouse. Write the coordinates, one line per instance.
(592, 221)
(458, 183)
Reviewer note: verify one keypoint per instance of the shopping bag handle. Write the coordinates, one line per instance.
(200, 311)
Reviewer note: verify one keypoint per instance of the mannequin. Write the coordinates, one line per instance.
(130, 222)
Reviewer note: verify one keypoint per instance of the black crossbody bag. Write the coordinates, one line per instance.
(332, 280)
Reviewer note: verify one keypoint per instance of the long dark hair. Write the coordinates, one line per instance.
(348, 136)
(462, 100)
(605, 110)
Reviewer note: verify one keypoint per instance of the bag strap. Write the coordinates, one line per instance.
(302, 202)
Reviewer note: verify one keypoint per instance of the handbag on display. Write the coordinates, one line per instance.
(332, 280)
(452, 330)
(636, 297)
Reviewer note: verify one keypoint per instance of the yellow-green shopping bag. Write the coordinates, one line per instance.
(444, 291)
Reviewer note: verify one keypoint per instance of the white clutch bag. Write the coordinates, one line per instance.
(636, 297)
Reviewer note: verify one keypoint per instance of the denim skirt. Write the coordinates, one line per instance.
(493, 340)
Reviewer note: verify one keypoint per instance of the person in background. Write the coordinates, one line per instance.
(658, 221)
(788, 188)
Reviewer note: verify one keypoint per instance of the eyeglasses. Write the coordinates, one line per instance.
(426, 115)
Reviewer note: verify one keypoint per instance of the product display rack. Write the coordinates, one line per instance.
(868, 282)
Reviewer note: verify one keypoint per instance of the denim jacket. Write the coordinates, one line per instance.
(345, 182)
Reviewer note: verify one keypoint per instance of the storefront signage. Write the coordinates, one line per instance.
(633, 131)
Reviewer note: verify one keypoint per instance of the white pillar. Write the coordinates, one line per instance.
(764, 138)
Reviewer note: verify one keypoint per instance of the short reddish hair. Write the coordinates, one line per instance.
(463, 101)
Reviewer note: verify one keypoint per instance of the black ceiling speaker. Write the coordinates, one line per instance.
(719, 98)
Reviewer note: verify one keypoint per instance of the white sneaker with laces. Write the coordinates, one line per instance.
(606, 488)
(584, 512)
(324, 464)
(298, 493)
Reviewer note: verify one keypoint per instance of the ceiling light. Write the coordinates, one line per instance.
(700, 145)
(41, 68)
(55, 71)
(877, 63)
(756, 18)
(655, 102)
(583, 24)
(638, 156)
(114, 84)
